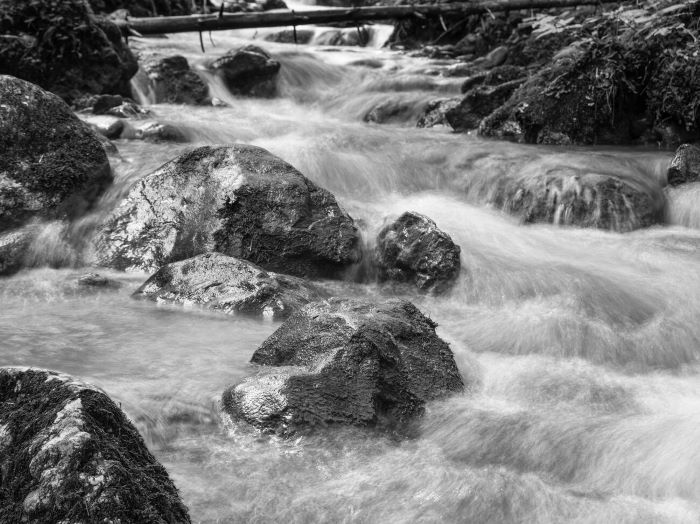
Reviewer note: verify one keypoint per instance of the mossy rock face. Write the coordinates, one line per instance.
(238, 200)
(64, 48)
(478, 103)
(344, 361)
(228, 284)
(52, 165)
(69, 454)
(413, 249)
(685, 166)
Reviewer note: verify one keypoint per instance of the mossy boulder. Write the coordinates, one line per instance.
(69, 454)
(344, 361)
(478, 103)
(64, 48)
(52, 165)
(228, 284)
(238, 200)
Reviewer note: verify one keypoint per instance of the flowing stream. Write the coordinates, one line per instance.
(581, 347)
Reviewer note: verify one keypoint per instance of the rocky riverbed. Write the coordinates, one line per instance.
(295, 281)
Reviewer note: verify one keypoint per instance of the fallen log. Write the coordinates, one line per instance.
(217, 22)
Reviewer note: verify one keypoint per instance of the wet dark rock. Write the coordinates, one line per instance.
(345, 361)
(685, 166)
(435, 113)
(239, 200)
(413, 249)
(96, 280)
(478, 103)
(170, 80)
(63, 48)
(248, 71)
(303, 36)
(228, 284)
(52, 165)
(572, 197)
(69, 454)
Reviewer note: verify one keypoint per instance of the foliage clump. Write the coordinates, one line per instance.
(627, 75)
(61, 46)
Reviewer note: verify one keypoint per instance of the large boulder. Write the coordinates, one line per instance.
(413, 249)
(64, 48)
(52, 165)
(346, 362)
(685, 166)
(238, 200)
(573, 197)
(170, 80)
(249, 71)
(69, 454)
(228, 284)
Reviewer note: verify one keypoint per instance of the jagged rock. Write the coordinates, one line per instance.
(249, 71)
(574, 197)
(51, 164)
(69, 454)
(413, 249)
(239, 200)
(478, 103)
(228, 284)
(347, 362)
(170, 80)
(63, 48)
(685, 166)
(435, 113)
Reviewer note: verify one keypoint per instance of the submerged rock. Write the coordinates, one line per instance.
(69, 454)
(52, 165)
(238, 200)
(220, 282)
(685, 166)
(572, 197)
(249, 71)
(347, 362)
(413, 249)
(108, 126)
(170, 80)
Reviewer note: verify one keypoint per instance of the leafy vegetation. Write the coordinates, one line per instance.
(61, 46)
